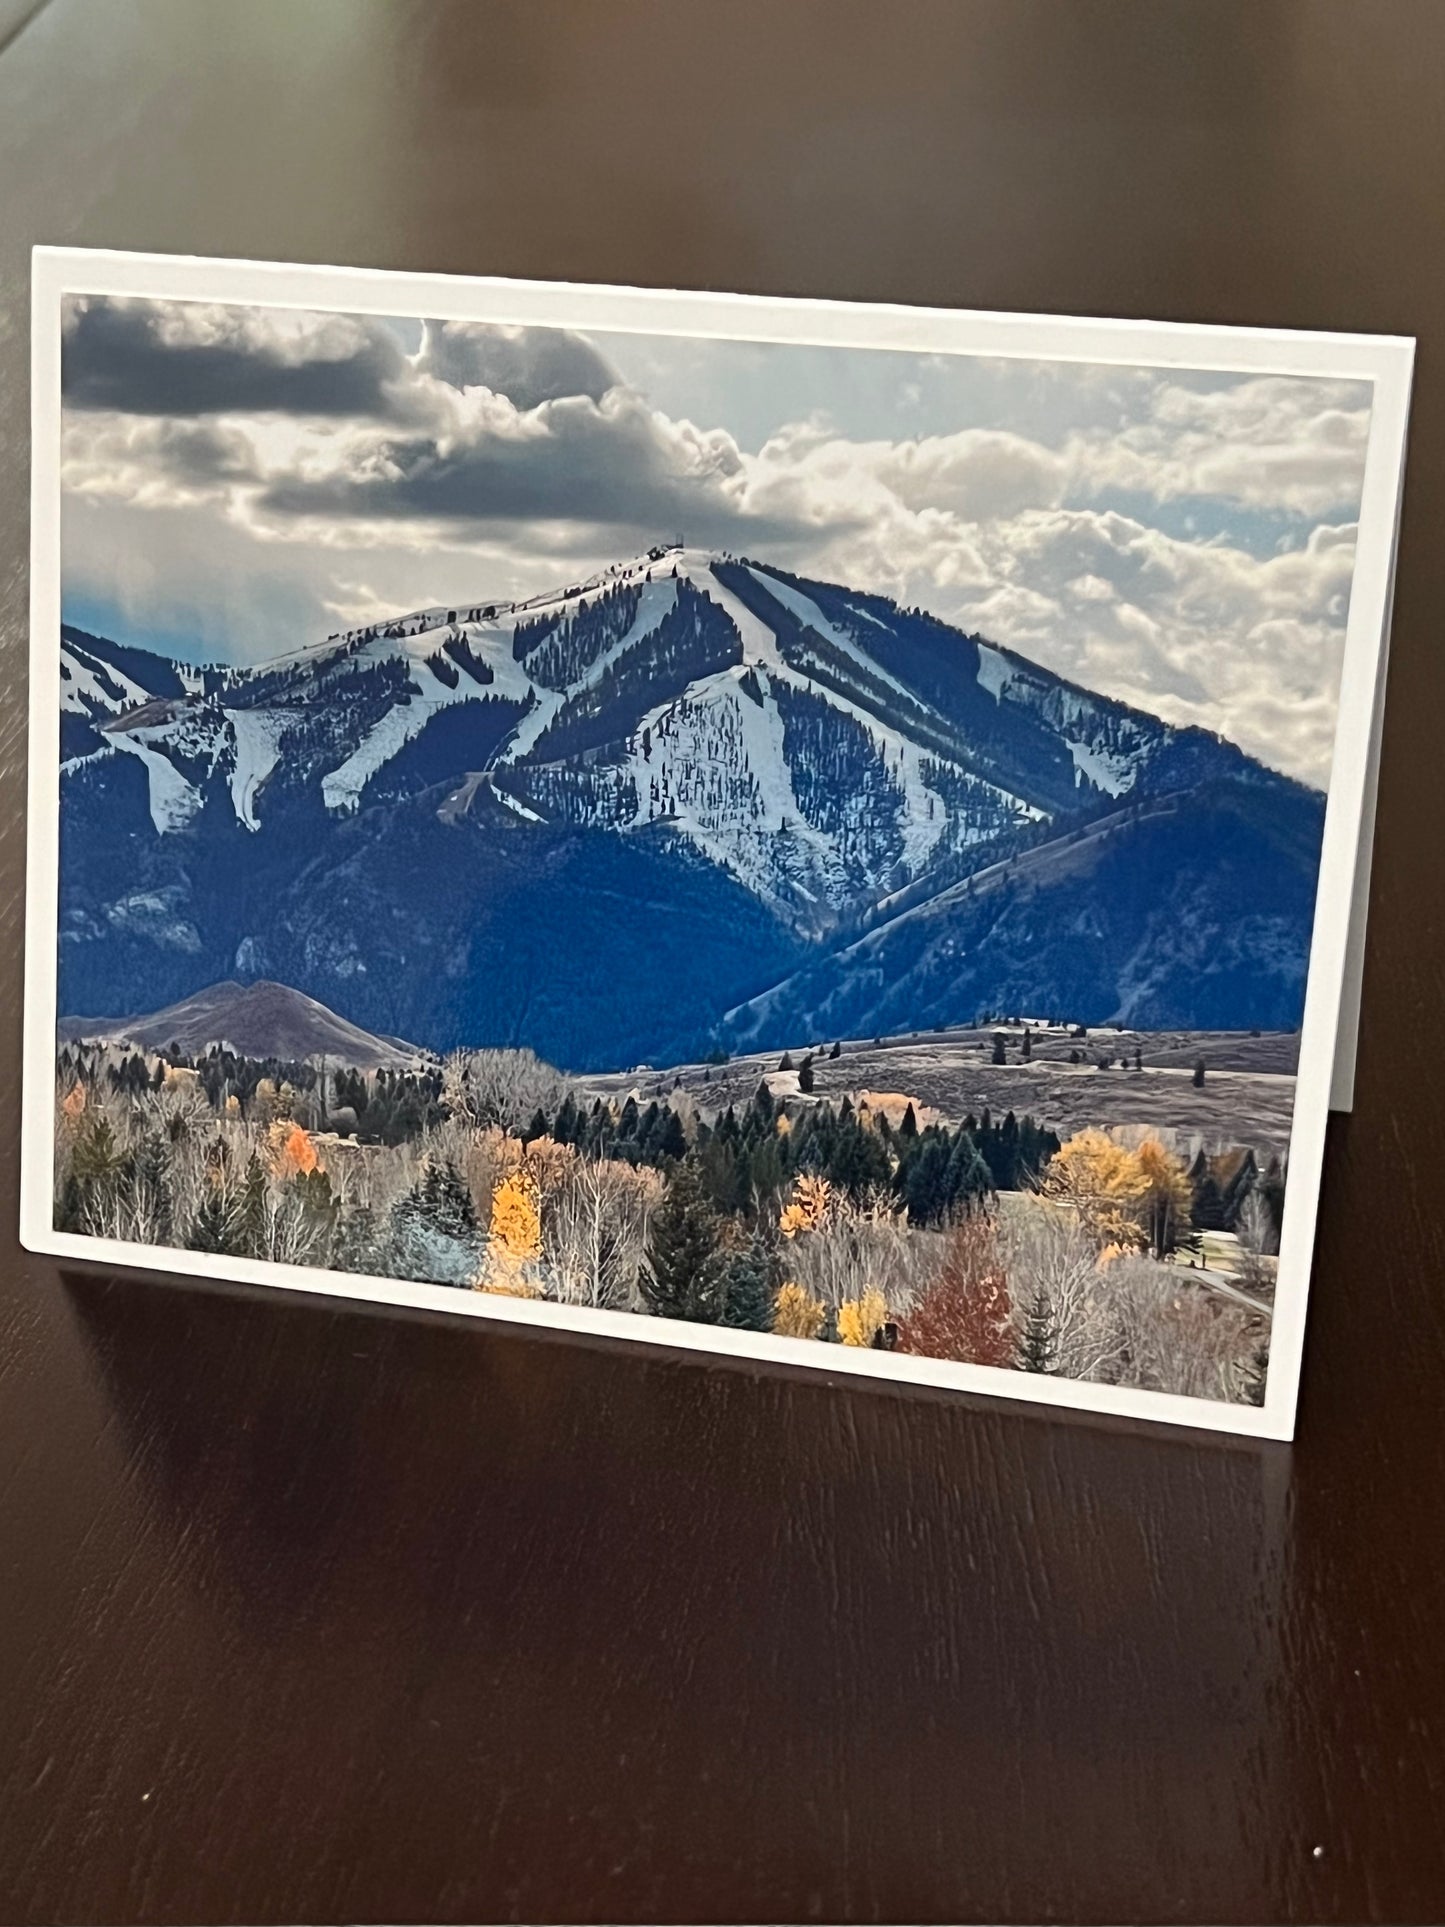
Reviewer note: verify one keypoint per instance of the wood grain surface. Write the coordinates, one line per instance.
(322, 1614)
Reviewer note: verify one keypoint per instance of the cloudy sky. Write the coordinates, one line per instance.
(239, 481)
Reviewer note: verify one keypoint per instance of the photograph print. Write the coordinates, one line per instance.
(788, 845)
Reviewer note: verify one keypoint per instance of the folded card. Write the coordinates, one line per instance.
(829, 834)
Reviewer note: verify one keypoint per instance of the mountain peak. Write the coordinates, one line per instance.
(697, 741)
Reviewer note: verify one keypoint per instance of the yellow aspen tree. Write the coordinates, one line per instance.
(796, 1314)
(1103, 1184)
(516, 1227)
(860, 1319)
(1167, 1203)
(808, 1208)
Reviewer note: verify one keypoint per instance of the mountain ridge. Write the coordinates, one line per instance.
(730, 756)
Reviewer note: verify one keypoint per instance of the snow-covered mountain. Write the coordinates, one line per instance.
(822, 747)
(784, 761)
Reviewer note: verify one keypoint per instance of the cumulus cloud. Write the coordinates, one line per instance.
(316, 452)
(527, 365)
(1272, 442)
(980, 474)
(615, 461)
(180, 358)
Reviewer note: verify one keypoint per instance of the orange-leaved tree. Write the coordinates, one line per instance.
(289, 1151)
(966, 1314)
(515, 1238)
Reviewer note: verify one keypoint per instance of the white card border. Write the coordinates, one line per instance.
(1386, 361)
(1347, 1040)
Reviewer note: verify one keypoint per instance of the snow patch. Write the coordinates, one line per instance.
(257, 734)
(995, 672)
(82, 692)
(73, 763)
(520, 809)
(173, 801)
(1106, 771)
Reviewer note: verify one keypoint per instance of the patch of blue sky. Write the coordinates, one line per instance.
(1260, 532)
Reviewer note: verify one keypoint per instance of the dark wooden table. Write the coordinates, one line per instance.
(313, 1614)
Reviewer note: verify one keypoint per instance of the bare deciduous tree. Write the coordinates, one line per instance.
(594, 1231)
(1176, 1336)
(505, 1087)
(1047, 1250)
(1258, 1242)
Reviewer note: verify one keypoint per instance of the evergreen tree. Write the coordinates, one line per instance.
(1199, 1073)
(805, 1074)
(150, 1185)
(747, 1288)
(857, 1160)
(968, 1178)
(765, 1170)
(211, 1227)
(682, 1275)
(312, 1191)
(671, 1139)
(537, 1128)
(356, 1244)
(71, 1206)
(1028, 1050)
(443, 1195)
(787, 1061)
(1000, 1054)
(836, 1052)
(434, 1236)
(249, 1232)
(909, 1127)
(717, 1161)
(925, 1180)
(762, 1105)
(1038, 1348)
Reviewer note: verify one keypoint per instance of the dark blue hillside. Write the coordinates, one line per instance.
(1197, 914)
(78, 736)
(593, 949)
